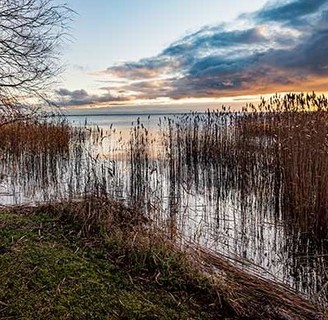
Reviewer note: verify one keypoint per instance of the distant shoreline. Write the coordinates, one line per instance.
(126, 114)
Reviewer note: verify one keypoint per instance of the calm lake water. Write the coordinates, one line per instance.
(122, 122)
(197, 203)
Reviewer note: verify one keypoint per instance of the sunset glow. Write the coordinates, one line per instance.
(276, 46)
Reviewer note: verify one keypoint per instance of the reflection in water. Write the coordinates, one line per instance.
(200, 176)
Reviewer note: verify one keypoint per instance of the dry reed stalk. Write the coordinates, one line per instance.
(252, 296)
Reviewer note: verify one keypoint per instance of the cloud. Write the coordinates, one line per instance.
(77, 94)
(283, 47)
(289, 11)
(143, 69)
(81, 97)
(207, 40)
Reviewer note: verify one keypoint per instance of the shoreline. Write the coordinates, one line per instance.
(126, 241)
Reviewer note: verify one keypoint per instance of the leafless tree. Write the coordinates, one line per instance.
(31, 38)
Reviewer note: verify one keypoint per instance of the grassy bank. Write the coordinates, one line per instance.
(90, 260)
(47, 271)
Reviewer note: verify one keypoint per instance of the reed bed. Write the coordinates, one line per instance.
(261, 169)
(251, 184)
(277, 153)
(37, 136)
(269, 163)
(296, 148)
(36, 156)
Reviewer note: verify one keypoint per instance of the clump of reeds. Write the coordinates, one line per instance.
(139, 164)
(295, 131)
(36, 136)
(36, 155)
(277, 152)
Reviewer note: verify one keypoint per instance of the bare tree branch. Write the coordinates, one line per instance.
(31, 38)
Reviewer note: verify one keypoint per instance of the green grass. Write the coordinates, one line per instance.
(47, 271)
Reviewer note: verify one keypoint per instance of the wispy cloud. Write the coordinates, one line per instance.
(281, 47)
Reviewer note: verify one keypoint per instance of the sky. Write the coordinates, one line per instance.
(175, 52)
